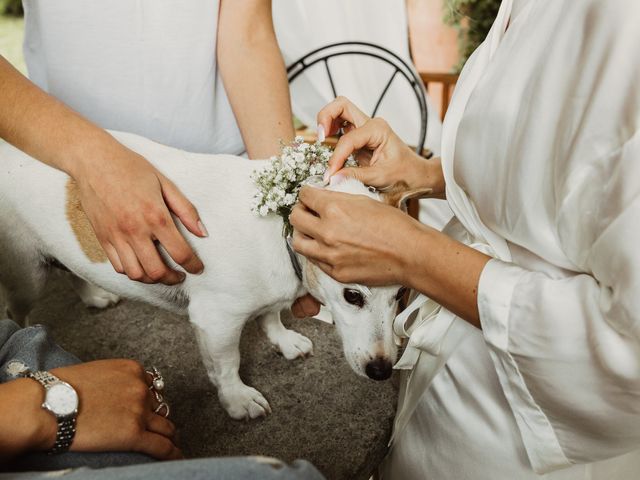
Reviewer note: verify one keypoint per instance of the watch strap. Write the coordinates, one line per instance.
(64, 435)
(45, 378)
(67, 424)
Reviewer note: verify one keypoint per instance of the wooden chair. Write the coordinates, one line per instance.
(448, 82)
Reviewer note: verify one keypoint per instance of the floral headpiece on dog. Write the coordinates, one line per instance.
(281, 180)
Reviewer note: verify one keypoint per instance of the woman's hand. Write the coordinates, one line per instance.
(384, 159)
(116, 410)
(129, 205)
(115, 413)
(353, 238)
(127, 201)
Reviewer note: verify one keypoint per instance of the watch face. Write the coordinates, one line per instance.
(61, 399)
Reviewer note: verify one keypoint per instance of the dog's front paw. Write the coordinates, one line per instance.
(292, 345)
(243, 402)
(95, 297)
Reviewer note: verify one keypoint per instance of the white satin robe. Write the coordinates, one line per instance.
(541, 154)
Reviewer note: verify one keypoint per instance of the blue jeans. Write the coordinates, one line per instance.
(33, 348)
(236, 468)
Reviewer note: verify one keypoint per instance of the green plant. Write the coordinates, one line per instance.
(11, 7)
(473, 20)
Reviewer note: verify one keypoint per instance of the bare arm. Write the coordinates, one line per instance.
(254, 75)
(43, 127)
(24, 425)
(127, 201)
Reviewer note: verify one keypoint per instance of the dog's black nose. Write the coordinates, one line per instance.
(379, 369)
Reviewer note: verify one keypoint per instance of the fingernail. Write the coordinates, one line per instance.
(203, 229)
(336, 179)
(326, 177)
(181, 276)
(321, 134)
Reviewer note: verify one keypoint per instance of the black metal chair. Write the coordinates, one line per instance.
(401, 69)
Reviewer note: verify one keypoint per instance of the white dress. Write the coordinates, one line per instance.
(141, 66)
(541, 154)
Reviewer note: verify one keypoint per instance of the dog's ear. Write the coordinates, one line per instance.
(398, 195)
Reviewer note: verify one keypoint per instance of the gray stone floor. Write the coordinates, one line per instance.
(322, 411)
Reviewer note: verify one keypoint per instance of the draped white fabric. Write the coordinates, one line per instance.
(541, 154)
(302, 26)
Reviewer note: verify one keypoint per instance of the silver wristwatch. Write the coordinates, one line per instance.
(61, 400)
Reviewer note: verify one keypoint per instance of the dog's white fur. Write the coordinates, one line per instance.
(248, 272)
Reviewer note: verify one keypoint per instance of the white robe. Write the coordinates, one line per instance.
(541, 155)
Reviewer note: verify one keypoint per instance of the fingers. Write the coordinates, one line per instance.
(332, 116)
(160, 425)
(326, 268)
(158, 446)
(148, 377)
(113, 257)
(367, 175)
(307, 226)
(141, 261)
(370, 135)
(303, 220)
(130, 264)
(154, 266)
(312, 200)
(182, 208)
(306, 246)
(178, 249)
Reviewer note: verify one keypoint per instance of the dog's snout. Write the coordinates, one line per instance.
(379, 369)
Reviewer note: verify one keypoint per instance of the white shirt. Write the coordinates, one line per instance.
(144, 66)
(541, 155)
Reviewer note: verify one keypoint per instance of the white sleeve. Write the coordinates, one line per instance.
(567, 350)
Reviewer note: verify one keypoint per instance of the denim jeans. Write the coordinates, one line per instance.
(34, 349)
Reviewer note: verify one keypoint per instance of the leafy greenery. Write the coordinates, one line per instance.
(473, 19)
(11, 7)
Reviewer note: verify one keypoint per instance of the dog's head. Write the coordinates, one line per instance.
(363, 315)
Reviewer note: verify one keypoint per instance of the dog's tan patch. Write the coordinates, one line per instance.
(311, 276)
(81, 226)
(400, 193)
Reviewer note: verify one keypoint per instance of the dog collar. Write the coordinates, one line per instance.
(295, 263)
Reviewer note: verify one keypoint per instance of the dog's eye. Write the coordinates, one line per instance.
(354, 297)
(401, 293)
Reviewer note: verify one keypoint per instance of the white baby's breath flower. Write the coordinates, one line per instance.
(289, 199)
(279, 182)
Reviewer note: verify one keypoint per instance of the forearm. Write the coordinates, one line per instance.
(44, 127)
(446, 270)
(24, 424)
(429, 174)
(253, 72)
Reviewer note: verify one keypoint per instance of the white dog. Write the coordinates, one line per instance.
(248, 271)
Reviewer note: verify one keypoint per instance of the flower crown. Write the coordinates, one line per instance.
(281, 180)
